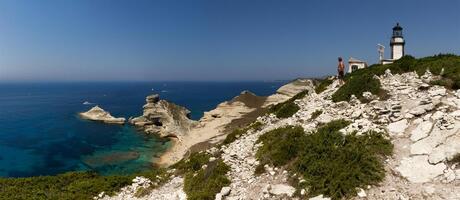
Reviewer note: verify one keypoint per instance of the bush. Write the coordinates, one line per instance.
(191, 164)
(323, 85)
(455, 159)
(315, 114)
(280, 145)
(288, 108)
(235, 134)
(205, 183)
(71, 185)
(356, 85)
(332, 164)
(362, 80)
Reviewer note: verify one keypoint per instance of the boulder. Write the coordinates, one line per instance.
(281, 189)
(446, 150)
(421, 131)
(320, 197)
(96, 113)
(417, 169)
(397, 128)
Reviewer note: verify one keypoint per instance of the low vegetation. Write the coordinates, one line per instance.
(288, 108)
(447, 66)
(316, 114)
(71, 185)
(455, 159)
(332, 164)
(203, 178)
(322, 85)
(235, 134)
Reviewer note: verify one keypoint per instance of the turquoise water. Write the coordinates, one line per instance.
(41, 133)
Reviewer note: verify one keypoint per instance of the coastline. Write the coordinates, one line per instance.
(217, 123)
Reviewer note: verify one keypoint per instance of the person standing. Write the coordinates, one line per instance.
(341, 70)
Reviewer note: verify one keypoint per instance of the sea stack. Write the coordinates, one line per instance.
(164, 118)
(96, 113)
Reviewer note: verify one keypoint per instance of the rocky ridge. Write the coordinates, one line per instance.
(422, 122)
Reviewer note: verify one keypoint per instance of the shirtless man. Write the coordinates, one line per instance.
(341, 70)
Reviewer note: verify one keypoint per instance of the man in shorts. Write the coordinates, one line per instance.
(341, 70)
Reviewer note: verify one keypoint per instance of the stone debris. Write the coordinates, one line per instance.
(422, 121)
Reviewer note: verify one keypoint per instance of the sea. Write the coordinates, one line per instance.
(42, 134)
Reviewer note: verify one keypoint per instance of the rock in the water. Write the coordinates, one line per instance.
(417, 169)
(98, 114)
(163, 118)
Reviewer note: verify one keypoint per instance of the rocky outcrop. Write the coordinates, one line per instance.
(239, 111)
(96, 113)
(164, 118)
(422, 122)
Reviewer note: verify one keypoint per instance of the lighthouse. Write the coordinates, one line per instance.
(397, 43)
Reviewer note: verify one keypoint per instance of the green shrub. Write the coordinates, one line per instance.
(71, 185)
(280, 145)
(205, 183)
(191, 164)
(315, 114)
(332, 164)
(323, 85)
(288, 108)
(356, 85)
(362, 80)
(455, 159)
(235, 134)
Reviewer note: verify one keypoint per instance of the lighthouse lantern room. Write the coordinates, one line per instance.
(397, 43)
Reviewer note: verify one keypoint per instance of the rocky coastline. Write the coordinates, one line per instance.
(422, 122)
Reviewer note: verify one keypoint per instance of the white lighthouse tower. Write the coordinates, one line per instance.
(397, 43)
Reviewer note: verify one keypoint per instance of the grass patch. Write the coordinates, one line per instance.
(204, 183)
(362, 80)
(288, 108)
(191, 164)
(323, 85)
(235, 134)
(71, 185)
(316, 114)
(332, 164)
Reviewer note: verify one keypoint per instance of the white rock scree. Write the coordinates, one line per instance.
(423, 123)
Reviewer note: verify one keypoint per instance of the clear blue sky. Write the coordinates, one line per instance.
(210, 40)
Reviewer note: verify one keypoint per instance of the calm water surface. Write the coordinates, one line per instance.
(41, 133)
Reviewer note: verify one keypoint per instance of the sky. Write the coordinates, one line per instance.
(211, 40)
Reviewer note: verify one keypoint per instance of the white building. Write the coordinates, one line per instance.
(355, 64)
(397, 45)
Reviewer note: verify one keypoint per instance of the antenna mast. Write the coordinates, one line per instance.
(381, 50)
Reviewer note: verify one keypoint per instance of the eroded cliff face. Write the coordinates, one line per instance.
(164, 118)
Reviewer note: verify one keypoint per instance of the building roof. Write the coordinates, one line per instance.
(354, 60)
(397, 27)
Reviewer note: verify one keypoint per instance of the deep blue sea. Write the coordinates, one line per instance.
(41, 133)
